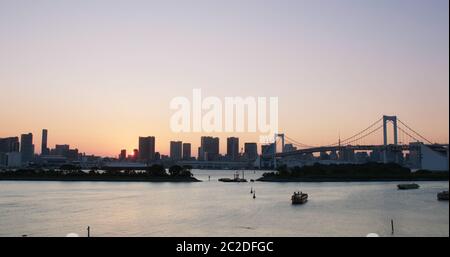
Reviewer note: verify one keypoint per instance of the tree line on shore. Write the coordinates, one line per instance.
(367, 170)
(155, 170)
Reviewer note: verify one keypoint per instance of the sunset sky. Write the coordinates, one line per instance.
(99, 74)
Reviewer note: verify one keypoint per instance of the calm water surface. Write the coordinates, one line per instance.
(212, 208)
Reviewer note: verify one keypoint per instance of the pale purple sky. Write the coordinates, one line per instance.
(98, 74)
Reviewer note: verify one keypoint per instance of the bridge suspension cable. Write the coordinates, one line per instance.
(413, 131)
(297, 143)
(411, 136)
(365, 135)
(346, 141)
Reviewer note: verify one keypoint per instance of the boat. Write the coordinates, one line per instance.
(236, 178)
(442, 196)
(299, 198)
(408, 186)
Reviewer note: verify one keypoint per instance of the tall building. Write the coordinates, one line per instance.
(146, 149)
(186, 151)
(9, 144)
(26, 148)
(123, 154)
(251, 151)
(44, 148)
(210, 148)
(135, 154)
(200, 155)
(13, 159)
(175, 150)
(267, 149)
(61, 150)
(233, 148)
(65, 151)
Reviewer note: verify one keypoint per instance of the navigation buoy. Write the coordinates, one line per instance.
(392, 227)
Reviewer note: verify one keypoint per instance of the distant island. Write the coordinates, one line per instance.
(351, 172)
(154, 173)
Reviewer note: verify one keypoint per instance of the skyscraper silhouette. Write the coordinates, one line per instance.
(175, 150)
(146, 149)
(26, 147)
(233, 148)
(186, 151)
(44, 148)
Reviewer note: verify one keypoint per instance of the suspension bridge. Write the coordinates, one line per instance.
(404, 138)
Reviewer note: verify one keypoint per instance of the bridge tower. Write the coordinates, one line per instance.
(393, 119)
(275, 148)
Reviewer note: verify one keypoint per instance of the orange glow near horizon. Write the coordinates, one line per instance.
(108, 143)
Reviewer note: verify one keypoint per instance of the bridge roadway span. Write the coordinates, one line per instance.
(436, 147)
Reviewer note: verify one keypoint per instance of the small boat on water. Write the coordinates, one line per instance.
(408, 186)
(442, 196)
(232, 180)
(299, 198)
(236, 178)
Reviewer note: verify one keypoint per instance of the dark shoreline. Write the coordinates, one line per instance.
(287, 180)
(85, 179)
(367, 172)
